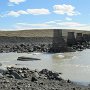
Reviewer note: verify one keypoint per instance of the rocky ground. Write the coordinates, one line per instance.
(21, 48)
(25, 79)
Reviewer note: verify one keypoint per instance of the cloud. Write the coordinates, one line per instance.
(1, 16)
(10, 4)
(68, 19)
(28, 11)
(16, 1)
(31, 25)
(71, 24)
(13, 13)
(38, 11)
(57, 24)
(58, 9)
(61, 24)
(65, 9)
(16, 14)
(85, 27)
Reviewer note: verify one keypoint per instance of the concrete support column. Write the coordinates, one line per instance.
(58, 41)
(71, 39)
(79, 37)
(85, 37)
(88, 37)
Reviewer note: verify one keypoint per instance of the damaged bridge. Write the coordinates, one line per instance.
(58, 38)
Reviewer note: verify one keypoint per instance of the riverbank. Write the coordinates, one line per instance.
(48, 48)
(26, 79)
(44, 40)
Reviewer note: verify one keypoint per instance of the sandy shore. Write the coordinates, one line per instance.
(25, 79)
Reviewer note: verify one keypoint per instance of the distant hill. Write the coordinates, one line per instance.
(28, 33)
(38, 32)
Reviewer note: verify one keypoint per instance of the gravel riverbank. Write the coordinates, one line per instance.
(25, 79)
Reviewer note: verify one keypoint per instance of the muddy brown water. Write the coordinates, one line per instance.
(74, 65)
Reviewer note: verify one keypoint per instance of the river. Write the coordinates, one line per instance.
(74, 65)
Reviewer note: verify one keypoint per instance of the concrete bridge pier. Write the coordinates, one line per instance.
(71, 39)
(89, 37)
(85, 37)
(79, 38)
(58, 43)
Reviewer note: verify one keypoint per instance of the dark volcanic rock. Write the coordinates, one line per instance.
(50, 74)
(26, 58)
(35, 80)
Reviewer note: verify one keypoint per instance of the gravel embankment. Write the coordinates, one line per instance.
(25, 79)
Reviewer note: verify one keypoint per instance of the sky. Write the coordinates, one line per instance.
(47, 14)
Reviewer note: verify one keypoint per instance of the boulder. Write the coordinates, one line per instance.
(26, 58)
